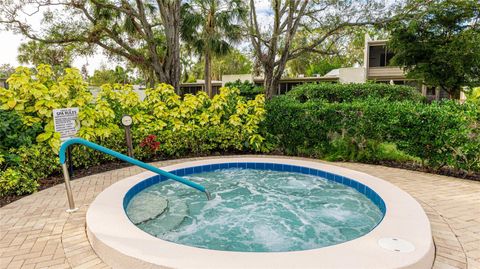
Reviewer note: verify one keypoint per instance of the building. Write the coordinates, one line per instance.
(376, 68)
(199, 85)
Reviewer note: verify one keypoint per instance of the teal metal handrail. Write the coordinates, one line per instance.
(71, 141)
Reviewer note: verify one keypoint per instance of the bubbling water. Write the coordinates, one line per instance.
(258, 211)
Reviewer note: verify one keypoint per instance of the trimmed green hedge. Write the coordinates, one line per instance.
(353, 92)
(247, 88)
(439, 134)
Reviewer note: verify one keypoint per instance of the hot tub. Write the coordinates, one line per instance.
(390, 229)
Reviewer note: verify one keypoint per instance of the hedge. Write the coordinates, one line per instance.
(247, 89)
(354, 92)
(440, 134)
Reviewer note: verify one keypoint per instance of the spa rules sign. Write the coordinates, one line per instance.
(65, 121)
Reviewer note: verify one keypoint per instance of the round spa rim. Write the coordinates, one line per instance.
(403, 238)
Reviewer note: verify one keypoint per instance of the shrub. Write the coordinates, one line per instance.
(194, 124)
(34, 94)
(198, 124)
(354, 92)
(20, 175)
(439, 134)
(16, 182)
(150, 143)
(247, 89)
(13, 133)
(435, 133)
(36, 161)
(315, 124)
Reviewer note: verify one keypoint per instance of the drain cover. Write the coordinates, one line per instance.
(396, 244)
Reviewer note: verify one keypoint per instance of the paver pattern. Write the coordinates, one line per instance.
(36, 232)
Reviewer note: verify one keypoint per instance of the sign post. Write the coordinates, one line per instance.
(65, 122)
(127, 122)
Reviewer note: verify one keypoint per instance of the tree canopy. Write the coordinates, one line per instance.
(116, 75)
(436, 41)
(306, 26)
(234, 62)
(36, 53)
(440, 44)
(211, 28)
(145, 33)
(6, 70)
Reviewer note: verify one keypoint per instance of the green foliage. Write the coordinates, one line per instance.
(474, 95)
(36, 53)
(15, 182)
(24, 166)
(106, 76)
(28, 164)
(353, 92)
(193, 124)
(37, 161)
(311, 65)
(374, 151)
(322, 67)
(13, 133)
(144, 34)
(234, 62)
(439, 134)
(33, 94)
(247, 89)
(225, 122)
(6, 70)
(345, 53)
(440, 44)
(210, 28)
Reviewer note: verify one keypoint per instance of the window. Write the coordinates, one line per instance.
(430, 90)
(379, 56)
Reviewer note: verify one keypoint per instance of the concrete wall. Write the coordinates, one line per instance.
(352, 75)
(385, 73)
(232, 78)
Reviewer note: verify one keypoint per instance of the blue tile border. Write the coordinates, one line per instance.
(363, 189)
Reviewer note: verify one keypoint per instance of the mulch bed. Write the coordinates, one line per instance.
(79, 173)
(445, 171)
(56, 179)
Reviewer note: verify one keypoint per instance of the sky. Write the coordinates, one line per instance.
(9, 43)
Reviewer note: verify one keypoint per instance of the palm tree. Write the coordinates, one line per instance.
(210, 27)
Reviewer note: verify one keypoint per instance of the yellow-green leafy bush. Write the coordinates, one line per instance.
(192, 124)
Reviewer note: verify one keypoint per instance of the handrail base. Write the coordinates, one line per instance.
(209, 196)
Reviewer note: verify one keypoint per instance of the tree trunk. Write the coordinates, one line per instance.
(272, 78)
(208, 78)
(270, 84)
(453, 93)
(170, 14)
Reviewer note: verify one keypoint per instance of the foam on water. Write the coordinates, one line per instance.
(259, 211)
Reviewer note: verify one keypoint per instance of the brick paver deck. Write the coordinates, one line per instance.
(36, 232)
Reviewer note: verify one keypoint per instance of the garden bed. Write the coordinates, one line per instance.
(83, 172)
